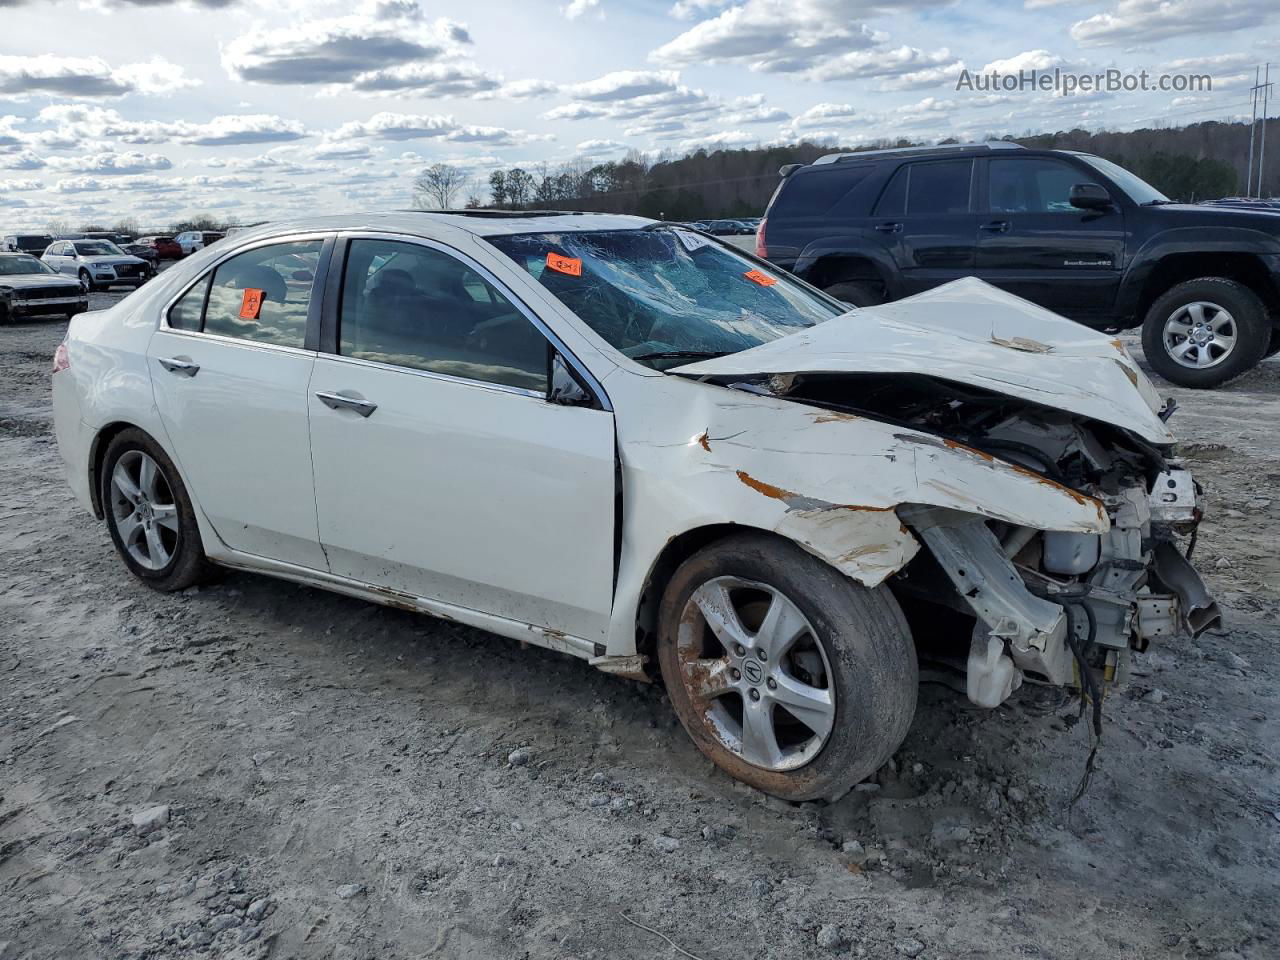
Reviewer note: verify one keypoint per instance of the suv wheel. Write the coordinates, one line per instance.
(1204, 332)
(786, 674)
(149, 514)
(860, 293)
(86, 281)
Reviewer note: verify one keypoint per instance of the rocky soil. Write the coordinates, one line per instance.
(257, 769)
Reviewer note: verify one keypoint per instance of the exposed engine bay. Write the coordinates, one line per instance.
(1047, 606)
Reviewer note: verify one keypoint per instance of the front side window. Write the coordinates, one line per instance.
(414, 306)
(1031, 185)
(666, 296)
(262, 295)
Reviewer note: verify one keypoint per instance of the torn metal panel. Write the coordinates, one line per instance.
(970, 332)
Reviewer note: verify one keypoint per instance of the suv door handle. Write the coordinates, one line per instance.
(337, 401)
(996, 226)
(180, 365)
(889, 227)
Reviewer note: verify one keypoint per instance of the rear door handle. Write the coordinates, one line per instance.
(180, 365)
(889, 227)
(338, 401)
(997, 226)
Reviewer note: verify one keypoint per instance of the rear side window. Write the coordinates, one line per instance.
(920, 189)
(815, 191)
(263, 295)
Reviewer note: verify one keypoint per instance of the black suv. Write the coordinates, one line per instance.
(1072, 232)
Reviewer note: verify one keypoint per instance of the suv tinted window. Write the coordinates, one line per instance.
(1031, 185)
(815, 191)
(939, 187)
(262, 294)
(414, 306)
(893, 201)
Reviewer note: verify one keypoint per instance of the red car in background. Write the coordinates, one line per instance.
(166, 248)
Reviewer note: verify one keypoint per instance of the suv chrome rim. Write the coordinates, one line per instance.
(1200, 335)
(758, 678)
(143, 510)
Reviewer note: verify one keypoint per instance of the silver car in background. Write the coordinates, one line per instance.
(97, 264)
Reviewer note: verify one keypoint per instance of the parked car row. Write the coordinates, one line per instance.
(31, 288)
(160, 247)
(1074, 233)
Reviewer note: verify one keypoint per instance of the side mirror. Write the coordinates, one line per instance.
(565, 389)
(1090, 196)
(303, 276)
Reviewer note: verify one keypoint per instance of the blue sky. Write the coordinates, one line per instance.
(158, 110)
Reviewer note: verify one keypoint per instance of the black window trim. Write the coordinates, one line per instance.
(314, 305)
(329, 318)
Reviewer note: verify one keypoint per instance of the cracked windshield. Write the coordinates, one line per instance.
(667, 297)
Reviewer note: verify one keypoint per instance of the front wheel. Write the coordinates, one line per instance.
(1205, 332)
(786, 674)
(149, 514)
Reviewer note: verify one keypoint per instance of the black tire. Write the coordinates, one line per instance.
(1274, 346)
(1251, 325)
(869, 663)
(87, 281)
(188, 565)
(859, 293)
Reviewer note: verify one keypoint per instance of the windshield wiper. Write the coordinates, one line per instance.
(683, 355)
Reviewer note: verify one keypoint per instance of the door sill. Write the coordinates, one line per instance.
(503, 626)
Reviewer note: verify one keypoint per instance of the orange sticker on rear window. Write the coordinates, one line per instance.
(757, 276)
(251, 305)
(570, 265)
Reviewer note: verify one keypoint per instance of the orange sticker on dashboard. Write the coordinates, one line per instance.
(570, 265)
(757, 276)
(251, 305)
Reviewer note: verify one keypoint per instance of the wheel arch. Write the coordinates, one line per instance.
(831, 268)
(1245, 268)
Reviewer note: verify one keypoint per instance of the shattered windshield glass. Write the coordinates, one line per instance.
(667, 296)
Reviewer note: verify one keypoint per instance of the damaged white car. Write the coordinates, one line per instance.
(630, 442)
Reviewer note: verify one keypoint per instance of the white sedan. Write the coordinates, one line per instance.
(630, 442)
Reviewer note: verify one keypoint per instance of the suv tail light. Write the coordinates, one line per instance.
(762, 251)
(61, 358)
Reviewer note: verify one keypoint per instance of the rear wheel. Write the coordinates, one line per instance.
(1205, 332)
(859, 293)
(149, 514)
(786, 674)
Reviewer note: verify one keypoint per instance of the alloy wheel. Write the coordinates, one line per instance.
(1200, 335)
(752, 663)
(144, 511)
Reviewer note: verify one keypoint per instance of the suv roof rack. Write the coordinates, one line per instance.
(506, 214)
(901, 151)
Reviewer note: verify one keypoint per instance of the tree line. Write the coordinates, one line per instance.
(1197, 162)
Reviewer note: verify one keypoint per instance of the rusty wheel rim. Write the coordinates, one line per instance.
(756, 674)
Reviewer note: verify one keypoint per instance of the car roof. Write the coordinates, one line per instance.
(480, 223)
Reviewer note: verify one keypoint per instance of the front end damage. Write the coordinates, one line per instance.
(1068, 552)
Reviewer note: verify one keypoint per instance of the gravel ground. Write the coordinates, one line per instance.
(257, 769)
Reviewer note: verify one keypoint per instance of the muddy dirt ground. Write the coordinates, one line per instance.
(348, 781)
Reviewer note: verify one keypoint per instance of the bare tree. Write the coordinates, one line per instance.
(437, 187)
(58, 227)
(128, 226)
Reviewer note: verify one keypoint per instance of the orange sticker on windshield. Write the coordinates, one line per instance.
(570, 265)
(251, 305)
(757, 276)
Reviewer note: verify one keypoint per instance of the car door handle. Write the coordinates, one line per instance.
(889, 227)
(997, 226)
(336, 401)
(180, 365)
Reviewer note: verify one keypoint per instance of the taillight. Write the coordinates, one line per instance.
(761, 250)
(61, 358)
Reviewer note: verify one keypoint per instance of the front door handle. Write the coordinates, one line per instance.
(180, 365)
(997, 226)
(338, 401)
(889, 227)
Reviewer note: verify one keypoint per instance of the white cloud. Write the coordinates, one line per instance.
(10, 186)
(880, 63)
(600, 148)
(91, 77)
(1144, 21)
(109, 162)
(723, 140)
(404, 126)
(576, 8)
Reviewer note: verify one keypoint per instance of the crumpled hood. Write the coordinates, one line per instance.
(970, 332)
